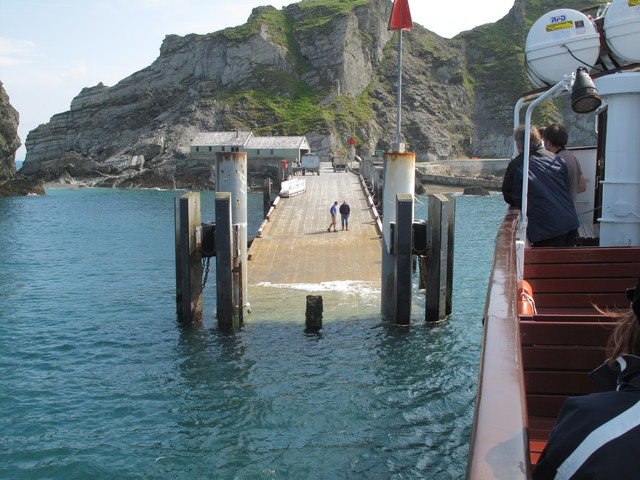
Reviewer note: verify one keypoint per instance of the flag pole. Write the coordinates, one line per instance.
(399, 93)
(399, 20)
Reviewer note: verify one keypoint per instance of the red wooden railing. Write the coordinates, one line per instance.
(500, 444)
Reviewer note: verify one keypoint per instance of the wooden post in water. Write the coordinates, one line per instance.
(451, 225)
(403, 233)
(440, 262)
(266, 196)
(227, 319)
(188, 261)
(313, 315)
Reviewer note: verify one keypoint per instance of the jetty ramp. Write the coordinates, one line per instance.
(296, 249)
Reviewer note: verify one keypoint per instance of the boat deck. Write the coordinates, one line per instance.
(566, 337)
(559, 344)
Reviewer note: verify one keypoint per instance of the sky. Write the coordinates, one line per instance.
(51, 49)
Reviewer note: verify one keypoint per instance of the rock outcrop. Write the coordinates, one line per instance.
(322, 69)
(11, 183)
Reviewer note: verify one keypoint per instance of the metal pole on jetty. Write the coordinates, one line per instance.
(399, 95)
(399, 179)
(231, 176)
(399, 20)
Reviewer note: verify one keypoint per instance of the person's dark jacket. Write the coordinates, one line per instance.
(597, 436)
(550, 209)
(345, 209)
(509, 179)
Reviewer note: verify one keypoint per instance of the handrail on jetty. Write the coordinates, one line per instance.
(499, 444)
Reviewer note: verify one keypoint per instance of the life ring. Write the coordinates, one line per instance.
(526, 303)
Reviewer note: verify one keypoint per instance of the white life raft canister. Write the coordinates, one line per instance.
(558, 43)
(622, 30)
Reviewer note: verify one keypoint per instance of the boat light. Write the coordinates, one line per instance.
(584, 95)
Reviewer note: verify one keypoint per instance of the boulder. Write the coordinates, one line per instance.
(478, 191)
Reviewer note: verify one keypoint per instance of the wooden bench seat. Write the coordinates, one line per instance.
(567, 337)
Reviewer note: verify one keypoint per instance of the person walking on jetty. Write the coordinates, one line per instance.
(345, 210)
(334, 216)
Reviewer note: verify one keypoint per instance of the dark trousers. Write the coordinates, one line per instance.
(568, 239)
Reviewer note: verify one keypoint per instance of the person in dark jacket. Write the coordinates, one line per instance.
(551, 215)
(597, 436)
(345, 211)
(554, 139)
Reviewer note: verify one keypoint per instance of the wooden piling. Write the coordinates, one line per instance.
(313, 315)
(451, 225)
(188, 260)
(440, 262)
(266, 196)
(403, 233)
(227, 320)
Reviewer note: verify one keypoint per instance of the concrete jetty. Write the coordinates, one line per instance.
(295, 247)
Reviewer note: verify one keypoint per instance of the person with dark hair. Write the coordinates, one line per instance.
(555, 139)
(552, 218)
(345, 211)
(596, 435)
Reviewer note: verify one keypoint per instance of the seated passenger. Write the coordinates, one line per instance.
(597, 436)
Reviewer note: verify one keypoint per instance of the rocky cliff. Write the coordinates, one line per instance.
(325, 69)
(11, 184)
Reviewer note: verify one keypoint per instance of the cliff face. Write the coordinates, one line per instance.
(9, 140)
(11, 184)
(326, 69)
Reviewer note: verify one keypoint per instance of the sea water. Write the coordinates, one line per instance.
(98, 380)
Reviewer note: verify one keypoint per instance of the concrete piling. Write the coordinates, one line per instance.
(399, 178)
(231, 176)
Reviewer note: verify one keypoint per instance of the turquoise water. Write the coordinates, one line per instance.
(99, 381)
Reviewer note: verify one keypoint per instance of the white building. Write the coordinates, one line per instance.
(261, 151)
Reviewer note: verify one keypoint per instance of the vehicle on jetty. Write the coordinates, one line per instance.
(310, 162)
(536, 354)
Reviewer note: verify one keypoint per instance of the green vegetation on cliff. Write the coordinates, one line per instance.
(283, 103)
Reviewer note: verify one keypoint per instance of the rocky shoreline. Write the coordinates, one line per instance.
(20, 186)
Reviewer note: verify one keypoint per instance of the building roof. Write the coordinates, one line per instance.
(247, 140)
(206, 139)
(293, 143)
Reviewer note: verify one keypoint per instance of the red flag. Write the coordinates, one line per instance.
(400, 16)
